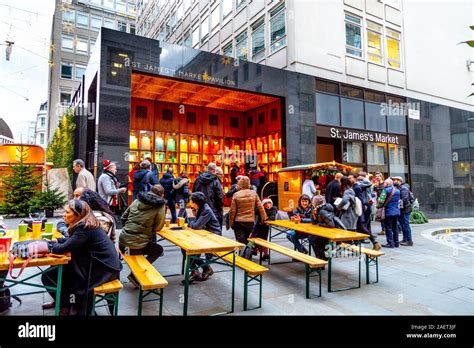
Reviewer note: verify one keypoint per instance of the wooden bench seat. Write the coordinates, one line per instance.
(312, 264)
(371, 258)
(110, 293)
(149, 279)
(252, 270)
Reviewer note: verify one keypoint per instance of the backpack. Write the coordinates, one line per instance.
(411, 197)
(358, 206)
(247, 251)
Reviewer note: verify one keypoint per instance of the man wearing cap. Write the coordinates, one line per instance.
(84, 177)
(108, 184)
(407, 199)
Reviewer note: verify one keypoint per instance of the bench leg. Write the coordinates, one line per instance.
(161, 302)
(367, 273)
(93, 306)
(306, 268)
(246, 286)
(330, 266)
(140, 301)
(186, 285)
(377, 269)
(368, 262)
(308, 271)
(247, 281)
(233, 282)
(182, 264)
(113, 297)
(116, 304)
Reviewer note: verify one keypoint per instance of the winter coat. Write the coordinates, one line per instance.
(305, 214)
(348, 216)
(142, 219)
(106, 188)
(261, 228)
(91, 250)
(181, 189)
(206, 220)
(362, 191)
(324, 215)
(167, 182)
(85, 179)
(405, 197)
(142, 180)
(210, 185)
(333, 191)
(392, 207)
(232, 190)
(233, 175)
(244, 202)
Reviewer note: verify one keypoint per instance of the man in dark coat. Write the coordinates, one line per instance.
(143, 179)
(333, 190)
(407, 198)
(170, 195)
(210, 186)
(234, 172)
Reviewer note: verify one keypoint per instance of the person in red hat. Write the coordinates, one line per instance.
(108, 185)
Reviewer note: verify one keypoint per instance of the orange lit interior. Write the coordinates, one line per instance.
(187, 125)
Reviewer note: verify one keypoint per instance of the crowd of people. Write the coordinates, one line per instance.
(350, 202)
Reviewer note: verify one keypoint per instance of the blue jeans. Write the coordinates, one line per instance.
(404, 220)
(391, 232)
(295, 237)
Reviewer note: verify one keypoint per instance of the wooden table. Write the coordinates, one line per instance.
(197, 242)
(334, 235)
(55, 261)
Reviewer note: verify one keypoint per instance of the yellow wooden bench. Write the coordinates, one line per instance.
(253, 272)
(108, 292)
(371, 258)
(312, 264)
(149, 279)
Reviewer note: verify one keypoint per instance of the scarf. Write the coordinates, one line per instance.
(114, 199)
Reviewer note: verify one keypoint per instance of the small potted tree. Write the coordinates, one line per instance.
(49, 200)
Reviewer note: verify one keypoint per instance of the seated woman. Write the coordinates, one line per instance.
(322, 215)
(261, 229)
(303, 214)
(142, 219)
(94, 260)
(205, 220)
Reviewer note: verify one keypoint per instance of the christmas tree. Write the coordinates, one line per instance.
(21, 186)
(49, 199)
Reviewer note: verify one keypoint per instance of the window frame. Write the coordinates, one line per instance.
(259, 55)
(226, 46)
(239, 39)
(69, 65)
(379, 33)
(69, 38)
(85, 41)
(279, 10)
(92, 18)
(359, 25)
(398, 39)
(82, 14)
(75, 71)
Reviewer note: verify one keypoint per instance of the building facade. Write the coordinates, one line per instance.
(41, 127)
(76, 24)
(6, 135)
(184, 108)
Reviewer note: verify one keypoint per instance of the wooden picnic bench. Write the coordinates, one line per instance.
(149, 279)
(253, 272)
(312, 264)
(110, 293)
(371, 258)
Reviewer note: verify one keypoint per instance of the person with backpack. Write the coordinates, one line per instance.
(170, 194)
(143, 179)
(389, 201)
(407, 199)
(210, 186)
(346, 205)
(361, 187)
(181, 189)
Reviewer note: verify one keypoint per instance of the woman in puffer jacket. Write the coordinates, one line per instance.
(347, 216)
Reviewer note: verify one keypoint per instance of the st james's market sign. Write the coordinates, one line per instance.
(360, 135)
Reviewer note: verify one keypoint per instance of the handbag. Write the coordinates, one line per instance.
(380, 214)
(30, 249)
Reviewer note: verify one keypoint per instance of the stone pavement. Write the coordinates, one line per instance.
(429, 278)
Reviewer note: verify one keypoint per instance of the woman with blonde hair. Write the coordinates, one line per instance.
(94, 260)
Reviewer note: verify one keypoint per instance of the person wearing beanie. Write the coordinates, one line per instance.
(205, 220)
(108, 185)
(261, 229)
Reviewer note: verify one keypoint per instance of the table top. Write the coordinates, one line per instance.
(43, 261)
(333, 234)
(196, 242)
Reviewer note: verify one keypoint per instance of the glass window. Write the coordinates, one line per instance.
(351, 92)
(327, 109)
(195, 38)
(241, 50)
(239, 4)
(91, 46)
(109, 3)
(353, 35)
(325, 86)
(461, 170)
(459, 141)
(132, 29)
(68, 16)
(393, 49)
(96, 23)
(66, 70)
(66, 43)
(109, 23)
(374, 42)
(204, 28)
(277, 28)
(227, 50)
(352, 113)
(398, 159)
(375, 119)
(187, 40)
(373, 96)
(179, 12)
(82, 20)
(121, 5)
(353, 152)
(376, 154)
(215, 17)
(42, 121)
(65, 97)
(226, 8)
(42, 138)
(396, 119)
(471, 139)
(122, 26)
(80, 70)
(81, 46)
(258, 42)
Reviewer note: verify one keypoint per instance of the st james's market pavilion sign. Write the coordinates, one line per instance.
(360, 135)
